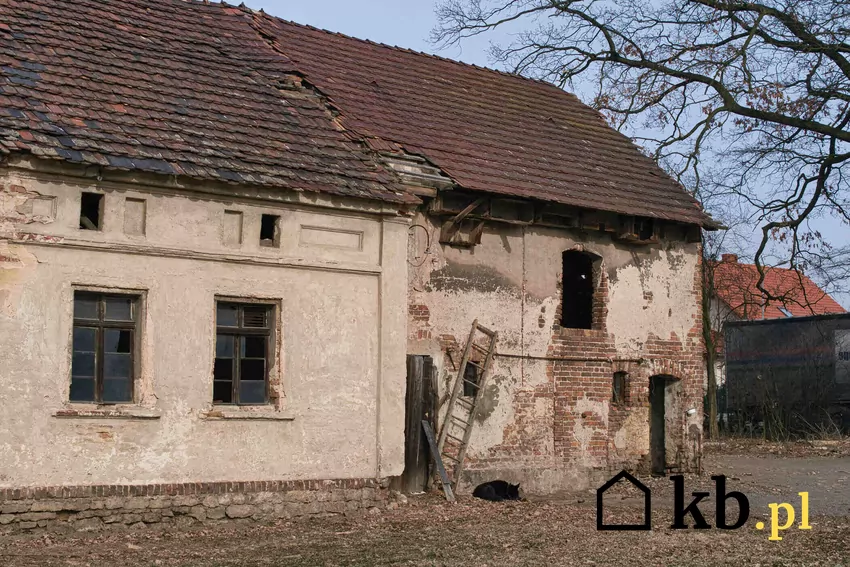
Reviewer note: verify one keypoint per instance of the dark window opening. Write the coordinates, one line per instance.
(269, 230)
(618, 394)
(577, 303)
(243, 348)
(91, 209)
(104, 348)
(646, 229)
(471, 379)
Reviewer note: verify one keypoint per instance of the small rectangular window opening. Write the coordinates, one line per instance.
(270, 230)
(471, 378)
(577, 283)
(243, 348)
(646, 229)
(104, 348)
(91, 211)
(618, 394)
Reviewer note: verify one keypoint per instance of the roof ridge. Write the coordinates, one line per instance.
(394, 47)
(752, 265)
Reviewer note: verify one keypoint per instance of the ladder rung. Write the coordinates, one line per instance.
(479, 347)
(449, 457)
(460, 400)
(485, 330)
(471, 383)
(475, 364)
(456, 418)
(453, 438)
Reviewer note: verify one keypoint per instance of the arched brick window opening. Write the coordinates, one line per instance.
(578, 285)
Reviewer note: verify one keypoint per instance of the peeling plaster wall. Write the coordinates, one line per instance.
(340, 360)
(549, 418)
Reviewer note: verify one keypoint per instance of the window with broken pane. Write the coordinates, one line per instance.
(104, 348)
(243, 347)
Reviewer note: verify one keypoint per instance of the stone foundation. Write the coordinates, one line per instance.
(93, 507)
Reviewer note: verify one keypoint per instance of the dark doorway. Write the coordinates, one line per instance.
(657, 449)
(420, 403)
(577, 286)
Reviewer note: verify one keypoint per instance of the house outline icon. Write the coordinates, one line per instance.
(647, 505)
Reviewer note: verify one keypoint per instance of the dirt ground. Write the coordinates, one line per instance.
(558, 530)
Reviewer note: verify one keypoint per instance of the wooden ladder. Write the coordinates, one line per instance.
(456, 428)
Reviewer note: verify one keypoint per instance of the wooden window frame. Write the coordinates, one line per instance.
(100, 324)
(239, 332)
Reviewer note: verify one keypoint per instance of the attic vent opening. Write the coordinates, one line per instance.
(646, 229)
(254, 317)
(577, 302)
(91, 209)
(270, 230)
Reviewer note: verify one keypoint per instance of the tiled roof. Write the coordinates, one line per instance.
(489, 131)
(735, 285)
(170, 87)
(188, 88)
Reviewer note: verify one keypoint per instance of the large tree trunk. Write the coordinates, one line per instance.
(710, 347)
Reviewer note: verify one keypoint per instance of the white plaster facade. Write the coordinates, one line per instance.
(338, 284)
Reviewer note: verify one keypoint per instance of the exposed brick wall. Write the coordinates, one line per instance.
(92, 507)
(567, 422)
(418, 322)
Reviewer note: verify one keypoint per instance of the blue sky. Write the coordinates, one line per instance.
(408, 23)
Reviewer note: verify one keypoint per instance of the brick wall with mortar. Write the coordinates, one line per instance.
(94, 507)
(562, 429)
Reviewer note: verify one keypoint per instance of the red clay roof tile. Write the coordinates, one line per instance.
(735, 285)
(169, 87)
(489, 131)
(187, 88)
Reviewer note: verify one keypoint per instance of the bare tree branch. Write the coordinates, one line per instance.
(743, 101)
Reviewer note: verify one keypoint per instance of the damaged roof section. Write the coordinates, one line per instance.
(218, 92)
(171, 87)
(488, 131)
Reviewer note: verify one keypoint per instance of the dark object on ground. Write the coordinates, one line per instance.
(496, 491)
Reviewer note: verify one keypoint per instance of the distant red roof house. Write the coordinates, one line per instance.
(735, 285)
(214, 92)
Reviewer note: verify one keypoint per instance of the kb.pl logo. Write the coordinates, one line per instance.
(681, 511)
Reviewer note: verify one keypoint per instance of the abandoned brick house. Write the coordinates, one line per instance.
(222, 234)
